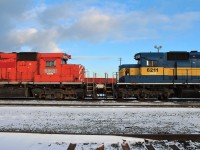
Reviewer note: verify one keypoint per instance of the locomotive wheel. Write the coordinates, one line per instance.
(165, 97)
(115, 96)
(123, 95)
(80, 96)
(140, 97)
(94, 96)
(47, 96)
(58, 96)
(42, 96)
(160, 97)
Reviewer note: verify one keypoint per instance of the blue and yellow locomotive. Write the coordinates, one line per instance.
(161, 75)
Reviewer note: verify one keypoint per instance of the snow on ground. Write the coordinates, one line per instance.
(104, 120)
(22, 141)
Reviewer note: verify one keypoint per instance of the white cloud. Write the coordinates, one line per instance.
(42, 27)
(42, 40)
(181, 22)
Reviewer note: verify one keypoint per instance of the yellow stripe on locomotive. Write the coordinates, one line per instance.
(169, 71)
(129, 71)
(159, 71)
(151, 71)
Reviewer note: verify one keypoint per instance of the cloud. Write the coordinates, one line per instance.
(43, 40)
(181, 22)
(42, 27)
(91, 25)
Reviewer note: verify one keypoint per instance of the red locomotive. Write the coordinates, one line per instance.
(45, 75)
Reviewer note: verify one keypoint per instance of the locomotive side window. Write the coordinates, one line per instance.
(127, 71)
(151, 63)
(50, 63)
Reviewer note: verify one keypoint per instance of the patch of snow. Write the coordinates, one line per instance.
(104, 120)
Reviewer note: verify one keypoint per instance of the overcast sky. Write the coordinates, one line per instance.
(99, 32)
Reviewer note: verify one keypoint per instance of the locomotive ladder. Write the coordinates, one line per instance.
(108, 87)
(90, 89)
(109, 90)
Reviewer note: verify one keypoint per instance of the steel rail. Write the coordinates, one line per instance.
(169, 137)
(103, 103)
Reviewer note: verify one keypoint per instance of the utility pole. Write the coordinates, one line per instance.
(120, 61)
(158, 48)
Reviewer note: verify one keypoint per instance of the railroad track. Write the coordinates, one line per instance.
(103, 98)
(173, 142)
(150, 142)
(152, 137)
(147, 145)
(94, 103)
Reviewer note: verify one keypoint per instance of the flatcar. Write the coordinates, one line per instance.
(160, 75)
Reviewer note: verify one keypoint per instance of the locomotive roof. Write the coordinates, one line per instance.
(168, 52)
(192, 54)
(32, 56)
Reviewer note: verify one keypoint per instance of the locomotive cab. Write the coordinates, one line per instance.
(128, 71)
(148, 64)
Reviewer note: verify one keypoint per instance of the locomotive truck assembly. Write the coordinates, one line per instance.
(160, 75)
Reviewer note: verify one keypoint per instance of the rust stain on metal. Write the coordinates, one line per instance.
(150, 147)
(71, 146)
(125, 146)
(101, 147)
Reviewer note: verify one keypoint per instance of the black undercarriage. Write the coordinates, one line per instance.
(114, 91)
